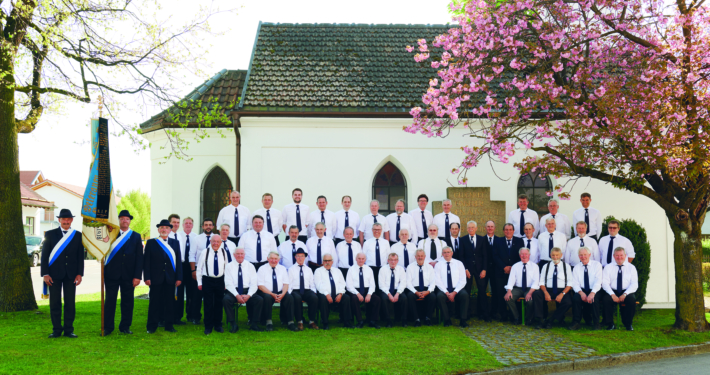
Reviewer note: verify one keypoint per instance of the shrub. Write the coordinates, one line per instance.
(706, 275)
(637, 235)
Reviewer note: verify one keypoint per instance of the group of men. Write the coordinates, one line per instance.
(399, 267)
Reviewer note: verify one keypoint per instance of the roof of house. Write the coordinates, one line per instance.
(73, 189)
(31, 198)
(29, 178)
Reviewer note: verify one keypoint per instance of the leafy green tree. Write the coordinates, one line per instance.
(137, 203)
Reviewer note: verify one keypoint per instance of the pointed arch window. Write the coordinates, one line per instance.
(389, 186)
(536, 188)
(216, 188)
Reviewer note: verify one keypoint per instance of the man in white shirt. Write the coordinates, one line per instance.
(523, 281)
(555, 284)
(571, 253)
(548, 239)
(392, 282)
(273, 282)
(288, 249)
(303, 288)
(296, 214)
(421, 284)
(586, 282)
(347, 250)
(367, 221)
(399, 220)
(531, 242)
(620, 282)
(257, 243)
(360, 286)
(376, 249)
(210, 280)
(422, 217)
(404, 249)
(563, 225)
(330, 285)
(432, 245)
(273, 218)
(589, 215)
(322, 215)
(241, 285)
(523, 215)
(224, 231)
(201, 243)
(187, 290)
(346, 218)
(318, 246)
(450, 282)
(237, 216)
(444, 220)
(610, 242)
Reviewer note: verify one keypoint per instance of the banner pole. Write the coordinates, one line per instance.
(102, 297)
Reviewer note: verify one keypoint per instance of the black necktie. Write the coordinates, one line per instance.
(347, 220)
(332, 285)
(525, 277)
(392, 289)
(258, 247)
(509, 245)
(554, 281)
(586, 218)
(318, 253)
(224, 244)
(236, 222)
(187, 247)
(301, 279)
(447, 230)
(240, 282)
(375, 218)
(550, 243)
(449, 282)
(490, 241)
(293, 253)
(586, 278)
(215, 269)
(378, 263)
(65, 232)
(432, 251)
(274, 284)
(421, 279)
(322, 220)
(610, 250)
(581, 242)
(298, 218)
(423, 224)
(268, 222)
(529, 244)
(362, 283)
(406, 255)
(619, 281)
(396, 235)
(522, 222)
(207, 245)
(350, 254)
(456, 245)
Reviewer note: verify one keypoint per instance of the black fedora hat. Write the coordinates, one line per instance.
(164, 223)
(125, 213)
(300, 251)
(64, 212)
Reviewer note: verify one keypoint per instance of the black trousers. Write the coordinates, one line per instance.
(303, 239)
(212, 293)
(590, 311)
(161, 305)
(195, 304)
(254, 305)
(325, 307)
(482, 309)
(444, 304)
(627, 311)
(388, 307)
(188, 286)
(67, 286)
(372, 307)
(266, 311)
(127, 290)
(498, 283)
(562, 307)
(311, 300)
(427, 304)
(376, 272)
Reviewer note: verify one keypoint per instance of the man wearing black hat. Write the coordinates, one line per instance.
(62, 269)
(123, 268)
(303, 289)
(162, 272)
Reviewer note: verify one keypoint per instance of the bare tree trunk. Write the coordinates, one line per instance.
(16, 293)
(687, 254)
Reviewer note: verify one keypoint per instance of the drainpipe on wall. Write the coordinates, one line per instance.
(239, 152)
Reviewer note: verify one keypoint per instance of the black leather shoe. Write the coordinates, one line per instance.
(179, 323)
(574, 327)
(463, 324)
(596, 327)
(610, 327)
(54, 335)
(326, 326)
(373, 324)
(360, 324)
(292, 327)
(219, 329)
(127, 331)
(70, 335)
(234, 328)
(404, 324)
(106, 333)
(388, 325)
(418, 323)
(255, 328)
(171, 329)
(195, 321)
(547, 324)
(629, 327)
(427, 322)
(447, 323)
(207, 331)
(161, 324)
(150, 331)
(269, 327)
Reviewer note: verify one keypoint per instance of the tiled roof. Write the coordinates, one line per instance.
(220, 93)
(31, 198)
(337, 68)
(76, 190)
(28, 177)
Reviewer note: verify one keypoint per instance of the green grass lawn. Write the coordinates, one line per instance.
(25, 348)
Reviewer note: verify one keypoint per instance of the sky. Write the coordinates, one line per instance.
(59, 146)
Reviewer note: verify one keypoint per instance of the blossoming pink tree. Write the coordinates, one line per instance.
(616, 90)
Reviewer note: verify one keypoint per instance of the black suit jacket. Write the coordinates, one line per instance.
(127, 263)
(504, 257)
(157, 266)
(475, 259)
(69, 263)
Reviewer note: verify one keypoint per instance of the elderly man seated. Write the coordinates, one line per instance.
(555, 284)
(620, 281)
(421, 284)
(330, 285)
(360, 284)
(523, 281)
(450, 281)
(393, 281)
(586, 282)
(273, 287)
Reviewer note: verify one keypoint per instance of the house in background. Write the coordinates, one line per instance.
(33, 208)
(63, 195)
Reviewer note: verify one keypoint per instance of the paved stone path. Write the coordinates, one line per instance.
(515, 345)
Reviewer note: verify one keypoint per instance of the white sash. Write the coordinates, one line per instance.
(116, 246)
(61, 245)
(169, 251)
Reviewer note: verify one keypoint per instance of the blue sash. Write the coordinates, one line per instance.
(117, 246)
(60, 246)
(167, 251)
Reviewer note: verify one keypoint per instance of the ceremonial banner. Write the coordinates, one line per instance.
(99, 205)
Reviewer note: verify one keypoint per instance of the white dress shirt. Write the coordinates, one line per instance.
(353, 221)
(417, 216)
(458, 275)
(530, 217)
(571, 254)
(516, 276)
(294, 278)
(594, 270)
(547, 275)
(405, 222)
(202, 242)
(226, 216)
(288, 249)
(399, 248)
(265, 274)
(276, 220)
(413, 277)
(629, 278)
(619, 241)
(289, 216)
(183, 245)
(326, 247)
(205, 268)
(249, 281)
(534, 247)
(330, 222)
(366, 225)
(562, 224)
(425, 245)
(322, 280)
(595, 220)
(440, 222)
(370, 249)
(176, 237)
(248, 241)
(353, 280)
(543, 244)
(343, 253)
(385, 277)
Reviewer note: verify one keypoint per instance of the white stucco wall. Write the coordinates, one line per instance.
(35, 213)
(62, 199)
